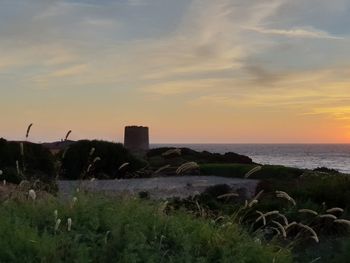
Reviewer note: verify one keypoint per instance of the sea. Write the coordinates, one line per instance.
(310, 156)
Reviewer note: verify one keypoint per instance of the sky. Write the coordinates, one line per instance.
(194, 71)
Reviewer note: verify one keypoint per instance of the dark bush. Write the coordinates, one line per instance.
(217, 190)
(326, 170)
(77, 159)
(226, 170)
(156, 159)
(278, 172)
(333, 190)
(36, 163)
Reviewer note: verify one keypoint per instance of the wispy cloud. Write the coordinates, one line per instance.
(296, 32)
(214, 57)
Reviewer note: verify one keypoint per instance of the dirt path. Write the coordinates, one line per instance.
(159, 187)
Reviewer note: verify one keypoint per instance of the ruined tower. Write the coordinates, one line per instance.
(136, 139)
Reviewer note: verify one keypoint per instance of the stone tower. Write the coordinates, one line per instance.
(136, 139)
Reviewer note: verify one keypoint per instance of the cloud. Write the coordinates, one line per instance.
(337, 112)
(296, 32)
(70, 71)
(137, 2)
(230, 55)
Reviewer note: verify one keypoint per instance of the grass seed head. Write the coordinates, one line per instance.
(309, 211)
(162, 169)
(67, 135)
(277, 230)
(92, 151)
(284, 195)
(252, 203)
(123, 165)
(17, 168)
(342, 221)
(69, 224)
(21, 146)
(55, 213)
(258, 195)
(281, 228)
(187, 167)
(57, 224)
(290, 225)
(261, 216)
(314, 234)
(227, 195)
(252, 171)
(285, 220)
(330, 216)
(32, 194)
(274, 212)
(172, 151)
(335, 210)
(97, 159)
(28, 130)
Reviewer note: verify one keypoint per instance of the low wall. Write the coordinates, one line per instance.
(159, 187)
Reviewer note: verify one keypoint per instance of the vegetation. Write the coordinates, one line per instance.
(169, 155)
(101, 229)
(25, 161)
(318, 191)
(296, 213)
(98, 159)
(240, 170)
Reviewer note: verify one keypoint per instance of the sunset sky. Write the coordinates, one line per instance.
(238, 71)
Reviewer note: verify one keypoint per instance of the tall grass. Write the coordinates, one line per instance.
(101, 229)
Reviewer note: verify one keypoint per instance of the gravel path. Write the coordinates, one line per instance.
(159, 187)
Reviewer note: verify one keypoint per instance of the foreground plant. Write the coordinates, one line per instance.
(124, 230)
(186, 167)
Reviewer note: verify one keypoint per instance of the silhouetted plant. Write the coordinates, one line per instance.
(79, 160)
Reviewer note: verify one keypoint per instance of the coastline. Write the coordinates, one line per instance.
(303, 156)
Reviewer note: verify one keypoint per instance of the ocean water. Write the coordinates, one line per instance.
(335, 156)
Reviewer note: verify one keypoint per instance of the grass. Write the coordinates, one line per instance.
(239, 170)
(226, 170)
(316, 190)
(306, 186)
(105, 229)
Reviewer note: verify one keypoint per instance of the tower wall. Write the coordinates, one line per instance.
(136, 139)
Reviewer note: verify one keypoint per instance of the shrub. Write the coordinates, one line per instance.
(278, 172)
(225, 170)
(77, 159)
(188, 155)
(326, 170)
(38, 162)
(343, 254)
(333, 190)
(239, 170)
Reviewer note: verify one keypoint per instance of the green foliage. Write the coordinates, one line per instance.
(278, 172)
(239, 170)
(343, 255)
(77, 158)
(226, 170)
(36, 162)
(330, 190)
(333, 190)
(115, 230)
